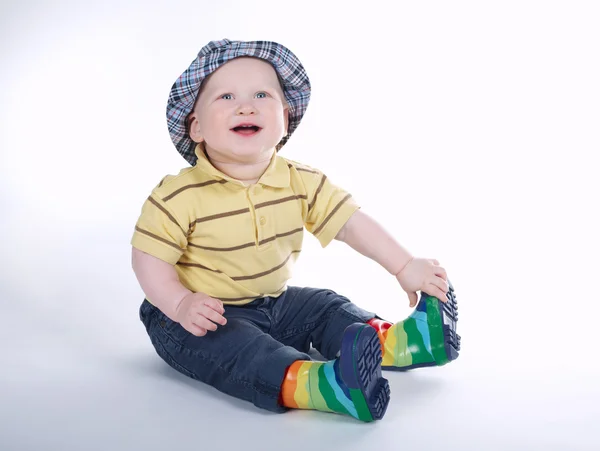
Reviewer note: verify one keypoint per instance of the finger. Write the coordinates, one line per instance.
(196, 330)
(213, 316)
(435, 291)
(215, 304)
(440, 271)
(439, 283)
(204, 323)
(412, 298)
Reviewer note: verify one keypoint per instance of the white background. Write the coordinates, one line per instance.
(469, 129)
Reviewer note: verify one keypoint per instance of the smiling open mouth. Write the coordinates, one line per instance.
(246, 129)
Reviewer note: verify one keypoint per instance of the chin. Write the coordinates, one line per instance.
(247, 152)
(251, 152)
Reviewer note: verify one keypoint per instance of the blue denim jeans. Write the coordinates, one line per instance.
(248, 357)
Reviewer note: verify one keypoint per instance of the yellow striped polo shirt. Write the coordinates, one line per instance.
(238, 242)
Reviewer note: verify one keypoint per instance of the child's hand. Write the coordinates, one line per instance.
(197, 313)
(422, 274)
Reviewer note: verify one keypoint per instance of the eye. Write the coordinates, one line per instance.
(261, 95)
(226, 97)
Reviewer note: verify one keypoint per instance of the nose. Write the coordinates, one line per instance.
(245, 109)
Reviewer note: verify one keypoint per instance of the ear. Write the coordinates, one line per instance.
(194, 128)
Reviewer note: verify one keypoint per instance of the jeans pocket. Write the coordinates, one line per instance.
(172, 329)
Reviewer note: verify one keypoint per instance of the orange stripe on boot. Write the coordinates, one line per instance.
(381, 327)
(290, 381)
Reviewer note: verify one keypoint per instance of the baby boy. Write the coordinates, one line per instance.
(215, 245)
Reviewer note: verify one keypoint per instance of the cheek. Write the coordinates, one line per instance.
(214, 123)
(278, 117)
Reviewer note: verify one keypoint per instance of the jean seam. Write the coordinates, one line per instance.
(297, 331)
(196, 354)
(268, 315)
(350, 315)
(202, 356)
(173, 362)
(275, 389)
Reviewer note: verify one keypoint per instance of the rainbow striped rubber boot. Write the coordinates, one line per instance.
(426, 338)
(351, 384)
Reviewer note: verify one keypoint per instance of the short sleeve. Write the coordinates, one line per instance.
(158, 232)
(329, 207)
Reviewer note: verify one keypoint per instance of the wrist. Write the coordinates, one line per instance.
(178, 298)
(404, 265)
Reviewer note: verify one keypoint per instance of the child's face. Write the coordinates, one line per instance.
(242, 91)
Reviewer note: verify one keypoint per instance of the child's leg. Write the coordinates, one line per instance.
(239, 359)
(305, 316)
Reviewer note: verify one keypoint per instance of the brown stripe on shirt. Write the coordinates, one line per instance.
(222, 249)
(306, 170)
(156, 237)
(245, 245)
(247, 210)
(317, 192)
(267, 272)
(220, 215)
(194, 185)
(280, 235)
(253, 276)
(198, 265)
(337, 207)
(280, 201)
(169, 215)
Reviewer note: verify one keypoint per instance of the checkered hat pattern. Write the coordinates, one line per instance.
(216, 53)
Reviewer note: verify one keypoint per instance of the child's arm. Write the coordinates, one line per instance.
(159, 282)
(367, 236)
(196, 312)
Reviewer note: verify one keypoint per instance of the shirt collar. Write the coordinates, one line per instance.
(276, 175)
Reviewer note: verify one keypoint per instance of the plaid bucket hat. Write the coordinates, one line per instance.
(296, 85)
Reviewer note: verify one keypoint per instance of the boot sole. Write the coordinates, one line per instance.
(449, 311)
(360, 369)
(445, 316)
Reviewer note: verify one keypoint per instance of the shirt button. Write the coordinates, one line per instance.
(263, 220)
